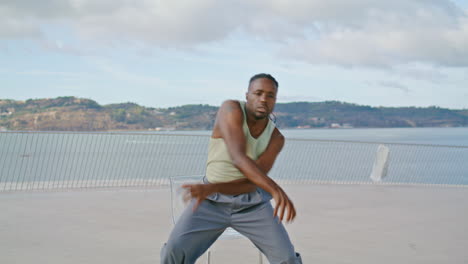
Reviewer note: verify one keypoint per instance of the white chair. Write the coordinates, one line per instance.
(179, 204)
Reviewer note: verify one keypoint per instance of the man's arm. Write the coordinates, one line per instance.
(230, 118)
(264, 162)
(229, 123)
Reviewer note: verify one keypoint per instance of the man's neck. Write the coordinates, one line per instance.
(256, 126)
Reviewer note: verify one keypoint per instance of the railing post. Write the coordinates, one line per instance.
(380, 167)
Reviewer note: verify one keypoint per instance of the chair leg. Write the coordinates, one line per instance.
(208, 257)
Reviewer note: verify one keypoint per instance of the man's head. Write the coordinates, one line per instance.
(261, 95)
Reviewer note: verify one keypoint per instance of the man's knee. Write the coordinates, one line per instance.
(293, 259)
(174, 252)
(283, 256)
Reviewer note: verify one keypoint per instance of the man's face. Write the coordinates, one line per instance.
(261, 97)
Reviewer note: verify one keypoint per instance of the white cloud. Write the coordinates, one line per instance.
(423, 73)
(298, 98)
(348, 33)
(394, 85)
(395, 33)
(15, 28)
(119, 72)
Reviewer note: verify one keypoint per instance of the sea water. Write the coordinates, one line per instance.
(52, 159)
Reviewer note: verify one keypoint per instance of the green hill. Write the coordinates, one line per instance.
(80, 114)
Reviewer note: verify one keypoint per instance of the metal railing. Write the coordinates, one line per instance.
(50, 160)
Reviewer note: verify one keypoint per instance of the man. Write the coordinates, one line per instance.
(237, 191)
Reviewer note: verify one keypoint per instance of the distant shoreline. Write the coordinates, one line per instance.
(204, 130)
(80, 114)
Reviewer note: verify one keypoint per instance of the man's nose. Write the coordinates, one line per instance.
(263, 97)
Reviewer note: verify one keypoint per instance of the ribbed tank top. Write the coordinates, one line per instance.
(219, 166)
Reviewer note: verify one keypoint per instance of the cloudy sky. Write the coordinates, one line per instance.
(161, 53)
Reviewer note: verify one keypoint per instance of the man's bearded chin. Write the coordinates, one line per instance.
(259, 116)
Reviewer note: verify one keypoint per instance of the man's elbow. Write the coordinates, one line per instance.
(242, 164)
(238, 162)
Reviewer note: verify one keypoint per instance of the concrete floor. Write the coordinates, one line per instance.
(335, 224)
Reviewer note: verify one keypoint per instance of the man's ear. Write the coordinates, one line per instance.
(246, 95)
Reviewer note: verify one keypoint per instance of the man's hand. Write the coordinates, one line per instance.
(198, 192)
(283, 204)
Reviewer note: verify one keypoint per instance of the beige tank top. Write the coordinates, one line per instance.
(219, 166)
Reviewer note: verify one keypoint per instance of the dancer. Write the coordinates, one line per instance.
(237, 191)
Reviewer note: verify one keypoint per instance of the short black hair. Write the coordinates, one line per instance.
(264, 75)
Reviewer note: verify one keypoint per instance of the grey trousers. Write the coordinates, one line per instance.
(251, 214)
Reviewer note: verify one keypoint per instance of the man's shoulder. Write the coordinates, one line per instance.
(230, 105)
(231, 102)
(277, 134)
(229, 115)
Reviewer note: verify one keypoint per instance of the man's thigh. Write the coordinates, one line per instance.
(265, 231)
(195, 231)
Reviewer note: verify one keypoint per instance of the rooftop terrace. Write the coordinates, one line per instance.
(335, 224)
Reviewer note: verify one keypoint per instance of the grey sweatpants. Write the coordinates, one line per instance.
(251, 214)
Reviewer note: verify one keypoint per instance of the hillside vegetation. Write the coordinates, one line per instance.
(79, 114)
